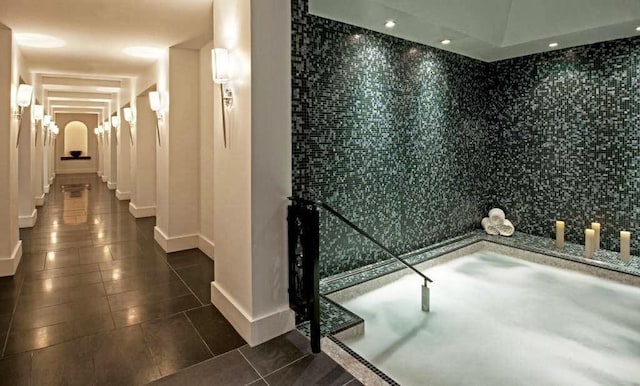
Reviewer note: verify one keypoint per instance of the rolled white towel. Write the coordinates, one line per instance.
(490, 229)
(496, 215)
(506, 228)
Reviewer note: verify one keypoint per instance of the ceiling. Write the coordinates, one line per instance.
(87, 74)
(491, 30)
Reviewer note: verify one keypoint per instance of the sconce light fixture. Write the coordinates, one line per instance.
(53, 132)
(220, 73)
(46, 122)
(128, 116)
(23, 99)
(155, 102)
(38, 115)
(115, 121)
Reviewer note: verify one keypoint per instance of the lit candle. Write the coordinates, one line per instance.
(560, 234)
(596, 240)
(589, 238)
(625, 246)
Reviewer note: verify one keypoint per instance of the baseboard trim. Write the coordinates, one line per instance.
(28, 221)
(254, 331)
(206, 246)
(104, 178)
(112, 185)
(123, 195)
(45, 189)
(176, 243)
(39, 200)
(8, 266)
(141, 211)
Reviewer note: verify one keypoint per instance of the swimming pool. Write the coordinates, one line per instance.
(500, 320)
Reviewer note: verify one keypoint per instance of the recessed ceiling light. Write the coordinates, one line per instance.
(638, 28)
(38, 40)
(390, 24)
(553, 45)
(144, 52)
(446, 41)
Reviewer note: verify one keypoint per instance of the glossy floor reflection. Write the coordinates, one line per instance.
(96, 302)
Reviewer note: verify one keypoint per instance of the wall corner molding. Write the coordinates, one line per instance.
(28, 221)
(176, 243)
(254, 330)
(122, 196)
(8, 266)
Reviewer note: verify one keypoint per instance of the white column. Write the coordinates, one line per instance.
(10, 245)
(46, 156)
(38, 161)
(27, 213)
(112, 182)
(143, 161)
(99, 155)
(206, 244)
(124, 162)
(253, 174)
(178, 156)
(106, 157)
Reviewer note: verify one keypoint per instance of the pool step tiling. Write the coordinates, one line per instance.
(335, 319)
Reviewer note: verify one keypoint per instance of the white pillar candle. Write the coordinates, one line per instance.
(589, 238)
(596, 240)
(625, 246)
(560, 234)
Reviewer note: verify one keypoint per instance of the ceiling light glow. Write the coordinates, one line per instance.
(144, 52)
(446, 41)
(390, 24)
(638, 28)
(553, 45)
(38, 40)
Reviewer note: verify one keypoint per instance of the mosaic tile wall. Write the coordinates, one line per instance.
(569, 143)
(387, 132)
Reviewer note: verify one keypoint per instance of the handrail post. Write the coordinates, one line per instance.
(304, 274)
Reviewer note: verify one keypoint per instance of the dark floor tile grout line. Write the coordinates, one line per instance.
(149, 352)
(253, 367)
(13, 313)
(198, 333)
(183, 282)
(287, 365)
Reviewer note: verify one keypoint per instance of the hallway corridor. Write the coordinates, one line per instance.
(96, 301)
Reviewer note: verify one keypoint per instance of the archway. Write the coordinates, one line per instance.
(75, 138)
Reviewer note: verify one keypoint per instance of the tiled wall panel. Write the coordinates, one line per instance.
(414, 144)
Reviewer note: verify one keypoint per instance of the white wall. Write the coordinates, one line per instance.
(252, 175)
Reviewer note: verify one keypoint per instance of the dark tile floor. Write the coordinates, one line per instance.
(95, 301)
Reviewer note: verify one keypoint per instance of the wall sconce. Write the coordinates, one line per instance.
(115, 121)
(37, 114)
(23, 99)
(220, 73)
(128, 116)
(115, 124)
(155, 102)
(46, 122)
(53, 132)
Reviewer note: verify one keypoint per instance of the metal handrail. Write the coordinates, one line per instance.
(351, 225)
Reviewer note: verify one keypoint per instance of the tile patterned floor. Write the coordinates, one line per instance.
(96, 302)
